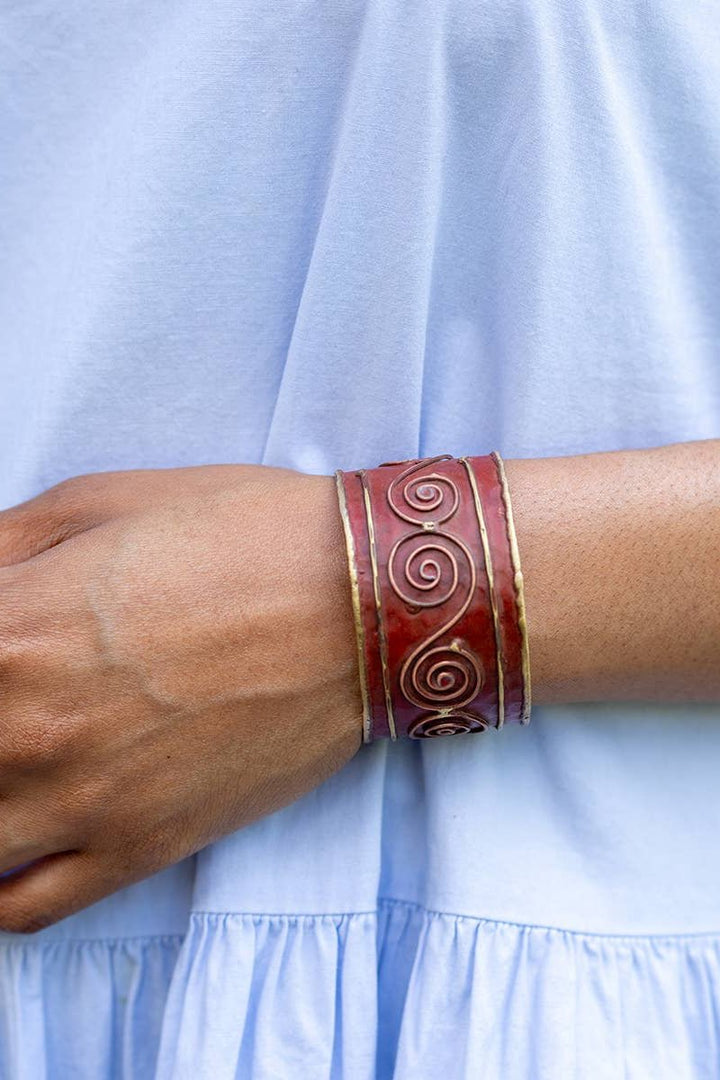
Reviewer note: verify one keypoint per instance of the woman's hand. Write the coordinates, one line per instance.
(177, 658)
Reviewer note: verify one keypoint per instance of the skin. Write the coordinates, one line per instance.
(620, 554)
(178, 654)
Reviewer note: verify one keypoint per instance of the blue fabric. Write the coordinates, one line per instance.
(325, 233)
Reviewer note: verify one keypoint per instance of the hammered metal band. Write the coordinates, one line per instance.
(437, 596)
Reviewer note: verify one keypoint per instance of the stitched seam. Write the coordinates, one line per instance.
(385, 902)
(34, 941)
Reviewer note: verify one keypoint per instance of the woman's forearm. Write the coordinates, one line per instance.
(621, 557)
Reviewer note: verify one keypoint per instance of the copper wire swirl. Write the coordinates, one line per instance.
(449, 676)
(456, 723)
(428, 575)
(458, 677)
(424, 494)
(442, 677)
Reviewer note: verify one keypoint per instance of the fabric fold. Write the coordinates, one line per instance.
(380, 995)
(89, 1009)
(386, 995)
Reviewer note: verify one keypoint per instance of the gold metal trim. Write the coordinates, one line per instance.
(381, 628)
(355, 590)
(519, 589)
(491, 589)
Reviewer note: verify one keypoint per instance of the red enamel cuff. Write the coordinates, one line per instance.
(437, 596)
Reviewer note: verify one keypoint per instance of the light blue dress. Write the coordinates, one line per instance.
(329, 233)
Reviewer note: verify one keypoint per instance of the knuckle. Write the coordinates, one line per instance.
(29, 625)
(68, 489)
(55, 515)
(63, 508)
(47, 742)
(58, 513)
(16, 652)
(84, 808)
(28, 522)
(36, 744)
(80, 497)
(20, 662)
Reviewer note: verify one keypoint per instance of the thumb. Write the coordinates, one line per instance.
(83, 502)
(41, 523)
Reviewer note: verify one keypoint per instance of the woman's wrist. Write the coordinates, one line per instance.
(620, 552)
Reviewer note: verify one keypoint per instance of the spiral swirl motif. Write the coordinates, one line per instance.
(426, 497)
(423, 569)
(443, 677)
(455, 723)
(429, 567)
